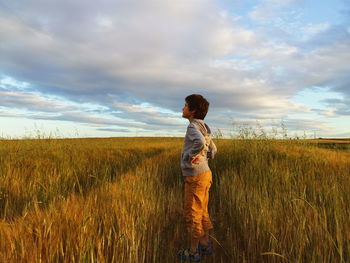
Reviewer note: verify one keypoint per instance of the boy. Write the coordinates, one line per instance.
(197, 149)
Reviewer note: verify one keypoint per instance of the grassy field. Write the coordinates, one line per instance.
(120, 200)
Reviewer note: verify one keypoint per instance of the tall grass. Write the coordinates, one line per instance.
(285, 202)
(120, 200)
(41, 171)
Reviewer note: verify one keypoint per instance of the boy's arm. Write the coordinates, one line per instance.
(198, 142)
(212, 150)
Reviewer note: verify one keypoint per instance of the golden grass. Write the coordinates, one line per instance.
(120, 200)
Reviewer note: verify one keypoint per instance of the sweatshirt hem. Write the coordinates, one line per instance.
(194, 173)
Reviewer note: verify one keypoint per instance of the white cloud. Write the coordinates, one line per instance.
(105, 21)
(268, 10)
(312, 29)
(123, 53)
(26, 100)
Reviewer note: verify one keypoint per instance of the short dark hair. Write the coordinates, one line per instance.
(199, 104)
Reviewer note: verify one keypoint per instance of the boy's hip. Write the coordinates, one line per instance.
(204, 177)
(195, 169)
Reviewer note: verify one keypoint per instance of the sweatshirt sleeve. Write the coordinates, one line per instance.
(212, 150)
(198, 141)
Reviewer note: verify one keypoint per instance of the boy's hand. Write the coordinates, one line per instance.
(195, 159)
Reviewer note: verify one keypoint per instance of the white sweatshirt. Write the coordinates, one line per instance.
(198, 143)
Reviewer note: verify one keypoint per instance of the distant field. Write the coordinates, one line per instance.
(336, 144)
(120, 200)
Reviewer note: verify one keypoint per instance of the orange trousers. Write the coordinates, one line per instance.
(196, 197)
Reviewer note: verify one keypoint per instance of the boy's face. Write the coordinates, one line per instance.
(186, 113)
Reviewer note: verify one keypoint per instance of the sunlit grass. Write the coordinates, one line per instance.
(120, 200)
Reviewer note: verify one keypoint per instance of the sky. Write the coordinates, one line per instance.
(116, 68)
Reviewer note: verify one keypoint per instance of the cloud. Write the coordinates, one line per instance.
(138, 56)
(311, 30)
(118, 55)
(145, 45)
(268, 11)
(30, 101)
(148, 114)
(114, 130)
(337, 107)
(43, 108)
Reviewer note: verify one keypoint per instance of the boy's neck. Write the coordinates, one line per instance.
(191, 119)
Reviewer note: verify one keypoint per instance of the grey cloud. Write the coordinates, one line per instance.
(30, 101)
(61, 111)
(332, 101)
(126, 62)
(88, 120)
(343, 112)
(159, 52)
(113, 130)
(334, 34)
(7, 114)
(341, 135)
(91, 70)
(341, 107)
(230, 124)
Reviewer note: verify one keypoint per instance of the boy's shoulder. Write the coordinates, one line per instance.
(196, 124)
(199, 125)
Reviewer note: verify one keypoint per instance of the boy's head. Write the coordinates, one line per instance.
(197, 105)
